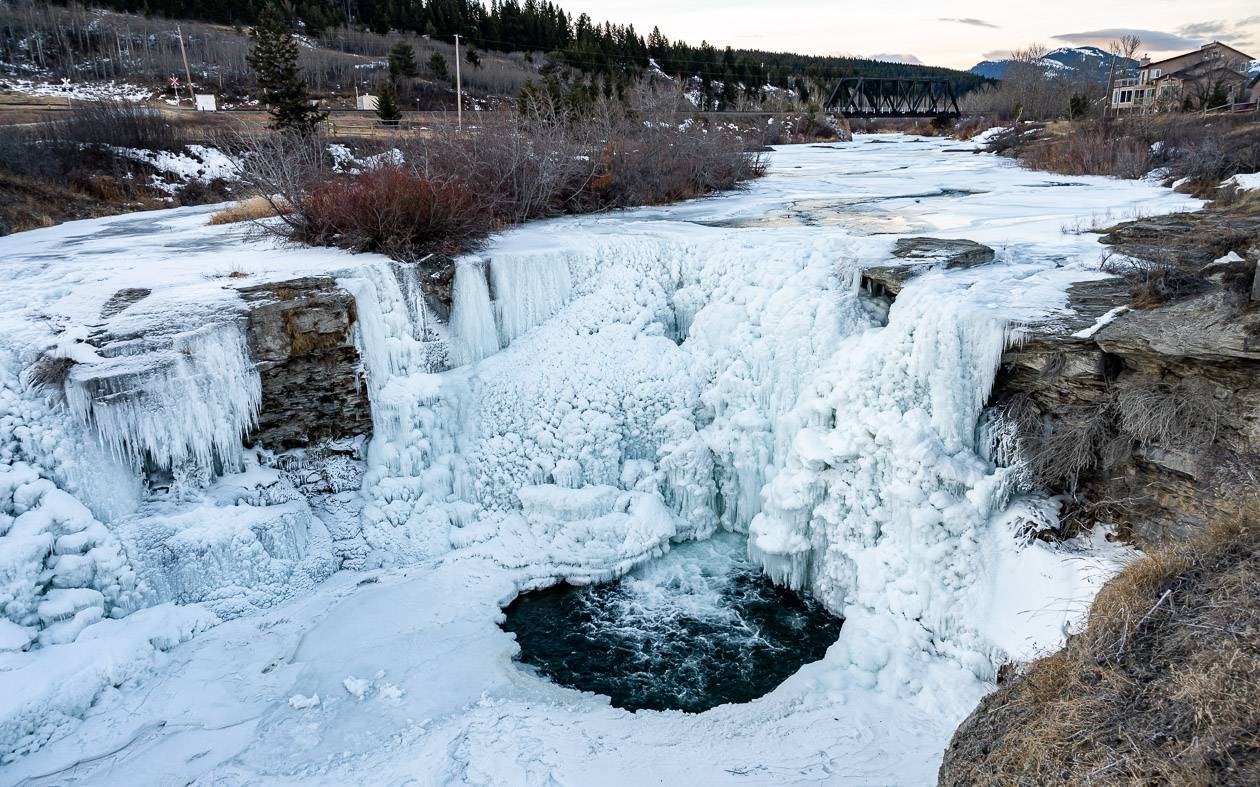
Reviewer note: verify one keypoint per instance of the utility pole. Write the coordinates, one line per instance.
(459, 90)
(187, 70)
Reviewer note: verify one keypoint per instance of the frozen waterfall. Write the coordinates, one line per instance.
(605, 388)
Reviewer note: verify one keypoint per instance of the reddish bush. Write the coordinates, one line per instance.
(395, 211)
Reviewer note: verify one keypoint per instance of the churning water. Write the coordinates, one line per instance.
(697, 628)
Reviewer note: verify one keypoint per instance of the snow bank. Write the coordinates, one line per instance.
(61, 570)
(43, 694)
(195, 164)
(1247, 182)
(82, 91)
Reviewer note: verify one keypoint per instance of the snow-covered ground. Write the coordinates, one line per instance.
(638, 378)
(81, 91)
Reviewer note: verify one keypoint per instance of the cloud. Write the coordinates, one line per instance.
(1153, 40)
(1212, 29)
(1235, 33)
(997, 54)
(967, 20)
(894, 58)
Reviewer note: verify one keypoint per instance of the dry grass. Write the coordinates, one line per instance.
(1161, 688)
(1203, 151)
(49, 372)
(252, 209)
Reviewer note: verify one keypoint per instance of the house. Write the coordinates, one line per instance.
(1211, 77)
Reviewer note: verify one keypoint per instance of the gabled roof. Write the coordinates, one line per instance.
(1200, 49)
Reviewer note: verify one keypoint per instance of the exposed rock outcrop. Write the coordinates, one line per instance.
(300, 334)
(1191, 239)
(923, 254)
(122, 299)
(1160, 406)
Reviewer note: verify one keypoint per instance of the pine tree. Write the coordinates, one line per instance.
(437, 64)
(274, 59)
(402, 60)
(387, 104)
(473, 58)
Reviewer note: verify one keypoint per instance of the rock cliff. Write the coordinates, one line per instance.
(300, 335)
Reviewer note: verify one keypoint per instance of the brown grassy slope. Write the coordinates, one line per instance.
(1162, 687)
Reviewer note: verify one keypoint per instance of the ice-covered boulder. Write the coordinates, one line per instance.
(60, 569)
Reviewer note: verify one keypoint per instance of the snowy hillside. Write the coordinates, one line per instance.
(176, 607)
(1085, 61)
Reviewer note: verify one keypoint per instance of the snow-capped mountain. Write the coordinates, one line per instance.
(1088, 61)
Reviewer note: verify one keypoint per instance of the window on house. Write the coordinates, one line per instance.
(1155, 72)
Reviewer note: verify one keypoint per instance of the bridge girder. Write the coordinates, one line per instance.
(876, 97)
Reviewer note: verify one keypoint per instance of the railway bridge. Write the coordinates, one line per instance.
(867, 97)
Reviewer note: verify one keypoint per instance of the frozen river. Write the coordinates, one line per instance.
(623, 383)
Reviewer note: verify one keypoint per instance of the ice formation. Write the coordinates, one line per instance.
(609, 386)
(191, 401)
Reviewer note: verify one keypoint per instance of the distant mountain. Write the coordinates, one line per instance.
(1088, 61)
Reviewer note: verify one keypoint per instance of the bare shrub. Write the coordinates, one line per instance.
(1183, 413)
(1071, 445)
(281, 168)
(1155, 282)
(116, 123)
(446, 189)
(1090, 148)
(1208, 149)
(1233, 475)
(395, 211)
(1202, 150)
(49, 372)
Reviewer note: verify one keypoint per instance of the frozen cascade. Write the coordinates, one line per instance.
(620, 385)
(473, 332)
(528, 289)
(412, 462)
(191, 402)
(885, 493)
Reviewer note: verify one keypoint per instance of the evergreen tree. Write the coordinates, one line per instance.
(274, 59)
(473, 58)
(437, 64)
(402, 61)
(387, 104)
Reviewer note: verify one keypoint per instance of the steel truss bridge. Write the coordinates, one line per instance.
(865, 97)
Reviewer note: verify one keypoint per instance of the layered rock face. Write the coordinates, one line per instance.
(1162, 402)
(301, 336)
(1146, 418)
(923, 254)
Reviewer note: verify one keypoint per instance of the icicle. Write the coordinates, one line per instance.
(473, 333)
(528, 290)
(194, 404)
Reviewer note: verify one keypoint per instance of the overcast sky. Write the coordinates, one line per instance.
(946, 34)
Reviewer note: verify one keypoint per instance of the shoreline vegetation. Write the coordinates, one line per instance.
(442, 193)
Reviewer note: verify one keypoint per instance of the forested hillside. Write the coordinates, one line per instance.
(533, 26)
